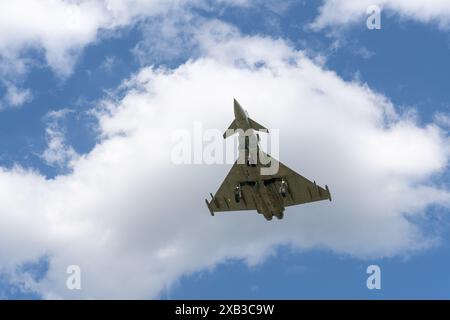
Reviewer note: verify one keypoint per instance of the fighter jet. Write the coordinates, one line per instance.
(248, 187)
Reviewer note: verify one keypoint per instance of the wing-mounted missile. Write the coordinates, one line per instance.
(209, 207)
(328, 191)
(208, 204)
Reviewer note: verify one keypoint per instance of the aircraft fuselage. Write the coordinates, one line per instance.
(257, 181)
(268, 202)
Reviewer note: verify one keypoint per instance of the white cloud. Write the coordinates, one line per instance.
(61, 29)
(58, 153)
(443, 119)
(168, 38)
(364, 53)
(108, 64)
(135, 223)
(15, 96)
(341, 12)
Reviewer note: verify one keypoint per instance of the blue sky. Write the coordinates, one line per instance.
(406, 62)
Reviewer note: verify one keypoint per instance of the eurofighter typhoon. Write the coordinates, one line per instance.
(257, 181)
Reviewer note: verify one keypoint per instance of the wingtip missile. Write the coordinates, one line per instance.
(328, 191)
(209, 207)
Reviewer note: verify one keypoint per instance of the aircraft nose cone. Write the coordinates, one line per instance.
(238, 111)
